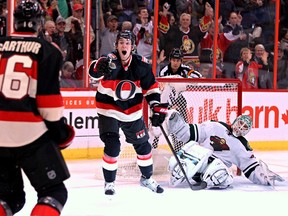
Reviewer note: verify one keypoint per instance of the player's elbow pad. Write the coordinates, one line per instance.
(61, 133)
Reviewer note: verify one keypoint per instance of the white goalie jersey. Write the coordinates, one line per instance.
(217, 137)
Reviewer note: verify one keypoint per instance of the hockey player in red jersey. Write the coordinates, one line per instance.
(214, 146)
(32, 125)
(125, 80)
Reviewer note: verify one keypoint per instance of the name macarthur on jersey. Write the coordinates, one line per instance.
(20, 46)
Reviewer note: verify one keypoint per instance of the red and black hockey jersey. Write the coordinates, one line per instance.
(29, 89)
(121, 95)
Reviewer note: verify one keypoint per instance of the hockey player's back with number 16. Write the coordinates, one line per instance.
(32, 126)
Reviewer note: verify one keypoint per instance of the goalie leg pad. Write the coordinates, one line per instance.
(177, 126)
(217, 175)
(193, 158)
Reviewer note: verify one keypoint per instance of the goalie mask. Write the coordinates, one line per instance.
(241, 125)
(27, 16)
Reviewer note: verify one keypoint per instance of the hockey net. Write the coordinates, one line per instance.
(197, 100)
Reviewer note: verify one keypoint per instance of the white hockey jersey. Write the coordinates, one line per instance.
(231, 150)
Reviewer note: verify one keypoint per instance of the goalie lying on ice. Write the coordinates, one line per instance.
(211, 148)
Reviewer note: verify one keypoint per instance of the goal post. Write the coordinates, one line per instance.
(197, 100)
(207, 99)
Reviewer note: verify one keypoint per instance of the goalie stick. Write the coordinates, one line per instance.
(196, 186)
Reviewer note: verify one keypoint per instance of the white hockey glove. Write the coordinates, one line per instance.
(177, 126)
(217, 175)
(192, 157)
(262, 175)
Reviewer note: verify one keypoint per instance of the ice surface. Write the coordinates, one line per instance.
(86, 195)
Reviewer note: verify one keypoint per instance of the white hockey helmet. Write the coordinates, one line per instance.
(241, 125)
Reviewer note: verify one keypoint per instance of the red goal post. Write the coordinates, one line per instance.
(197, 100)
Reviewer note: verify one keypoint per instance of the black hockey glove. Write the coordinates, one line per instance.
(159, 114)
(60, 132)
(103, 66)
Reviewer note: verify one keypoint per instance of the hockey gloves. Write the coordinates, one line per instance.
(60, 132)
(100, 68)
(159, 114)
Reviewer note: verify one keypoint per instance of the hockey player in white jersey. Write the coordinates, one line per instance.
(212, 147)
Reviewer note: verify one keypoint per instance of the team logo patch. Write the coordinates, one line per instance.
(112, 56)
(140, 134)
(218, 144)
(51, 174)
(125, 90)
(112, 65)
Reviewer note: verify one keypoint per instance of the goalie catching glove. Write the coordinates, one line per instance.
(60, 132)
(159, 114)
(100, 68)
(264, 176)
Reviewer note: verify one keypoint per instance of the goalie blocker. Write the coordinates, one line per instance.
(199, 162)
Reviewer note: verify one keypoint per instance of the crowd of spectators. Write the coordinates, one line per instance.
(184, 24)
(242, 25)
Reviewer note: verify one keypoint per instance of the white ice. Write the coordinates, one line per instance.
(86, 195)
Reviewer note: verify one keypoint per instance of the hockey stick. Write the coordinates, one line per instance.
(198, 185)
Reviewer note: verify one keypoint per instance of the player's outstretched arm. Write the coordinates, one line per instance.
(264, 176)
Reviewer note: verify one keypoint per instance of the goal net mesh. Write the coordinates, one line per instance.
(197, 100)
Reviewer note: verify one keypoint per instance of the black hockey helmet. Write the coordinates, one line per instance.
(176, 53)
(27, 16)
(127, 34)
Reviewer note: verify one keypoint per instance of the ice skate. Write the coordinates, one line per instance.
(109, 188)
(151, 184)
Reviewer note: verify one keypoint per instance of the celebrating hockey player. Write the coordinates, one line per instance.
(125, 79)
(32, 125)
(212, 147)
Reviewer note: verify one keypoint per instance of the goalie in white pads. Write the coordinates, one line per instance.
(198, 161)
(220, 146)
